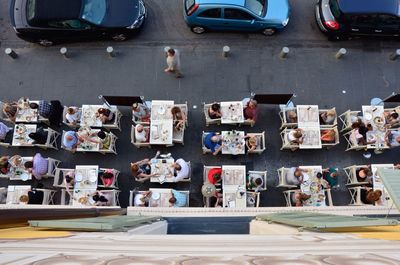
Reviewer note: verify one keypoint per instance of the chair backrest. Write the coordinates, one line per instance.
(351, 173)
(47, 196)
(282, 178)
(206, 169)
(178, 136)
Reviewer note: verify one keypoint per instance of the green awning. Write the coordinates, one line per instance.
(391, 181)
(313, 220)
(107, 223)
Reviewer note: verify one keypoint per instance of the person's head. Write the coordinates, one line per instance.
(24, 198)
(334, 174)
(68, 178)
(135, 106)
(175, 110)
(252, 141)
(28, 164)
(319, 175)
(69, 137)
(356, 124)
(177, 166)
(134, 169)
(4, 160)
(171, 52)
(32, 135)
(374, 196)
(7, 107)
(103, 111)
(331, 112)
(298, 134)
(139, 128)
(258, 181)
(394, 115)
(108, 175)
(398, 139)
(292, 114)
(252, 103)
(99, 198)
(216, 107)
(365, 172)
(101, 135)
(33, 105)
(298, 173)
(215, 138)
(369, 127)
(172, 200)
(216, 177)
(71, 110)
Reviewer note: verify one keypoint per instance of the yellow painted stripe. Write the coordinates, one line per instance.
(377, 232)
(31, 233)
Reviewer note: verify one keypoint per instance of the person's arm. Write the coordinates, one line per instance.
(217, 150)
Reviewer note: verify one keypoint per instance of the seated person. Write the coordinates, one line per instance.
(364, 175)
(251, 142)
(359, 132)
(141, 112)
(328, 136)
(392, 138)
(178, 199)
(328, 117)
(213, 141)
(10, 110)
(298, 198)
(216, 200)
(15, 161)
(73, 115)
(4, 129)
(38, 166)
(141, 170)
(69, 181)
(141, 134)
(250, 111)
(182, 170)
(39, 137)
(295, 136)
(370, 196)
(295, 176)
(179, 118)
(100, 199)
(44, 108)
(70, 140)
(214, 175)
(142, 199)
(105, 140)
(392, 118)
(34, 197)
(107, 177)
(322, 182)
(105, 115)
(4, 165)
(330, 174)
(291, 116)
(214, 111)
(256, 182)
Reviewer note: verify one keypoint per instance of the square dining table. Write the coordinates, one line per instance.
(85, 184)
(233, 143)
(163, 169)
(21, 132)
(15, 192)
(232, 112)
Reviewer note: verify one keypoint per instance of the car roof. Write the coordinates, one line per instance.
(57, 9)
(370, 6)
(222, 2)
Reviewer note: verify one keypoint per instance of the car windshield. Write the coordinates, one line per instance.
(256, 6)
(94, 11)
(30, 9)
(333, 4)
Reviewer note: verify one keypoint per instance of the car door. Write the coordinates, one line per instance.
(210, 18)
(387, 25)
(237, 19)
(362, 24)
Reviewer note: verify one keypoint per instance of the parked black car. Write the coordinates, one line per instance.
(340, 19)
(54, 21)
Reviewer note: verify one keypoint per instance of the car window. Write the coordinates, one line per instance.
(189, 4)
(211, 13)
(94, 11)
(68, 24)
(334, 6)
(231, 13)
(30, 9)
(256, 6)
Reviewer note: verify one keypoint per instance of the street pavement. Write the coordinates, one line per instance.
(310, 71)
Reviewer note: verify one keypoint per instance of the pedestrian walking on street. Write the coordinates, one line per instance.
(173, 62)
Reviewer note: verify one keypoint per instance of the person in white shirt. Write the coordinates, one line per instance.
(142, 199)
(141, 134)
(173, 62)
(182, 170)
(296, 136)
(73, 115)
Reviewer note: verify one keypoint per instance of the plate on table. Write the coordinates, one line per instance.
(368, 116)
(92, 176)
(155, 195)
(78, 177)
(24, 176)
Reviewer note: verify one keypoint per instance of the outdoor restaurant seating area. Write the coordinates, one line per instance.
(90, 129)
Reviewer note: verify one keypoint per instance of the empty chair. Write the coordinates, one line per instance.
(347, 119)
(282, 178)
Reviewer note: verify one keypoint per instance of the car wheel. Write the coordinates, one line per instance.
(45, 43)
(198, 29)
(119, 37)
(269, 31)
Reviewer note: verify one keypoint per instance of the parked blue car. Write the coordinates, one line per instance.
(265, 16)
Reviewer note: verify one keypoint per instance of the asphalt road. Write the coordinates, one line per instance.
(310, 71)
